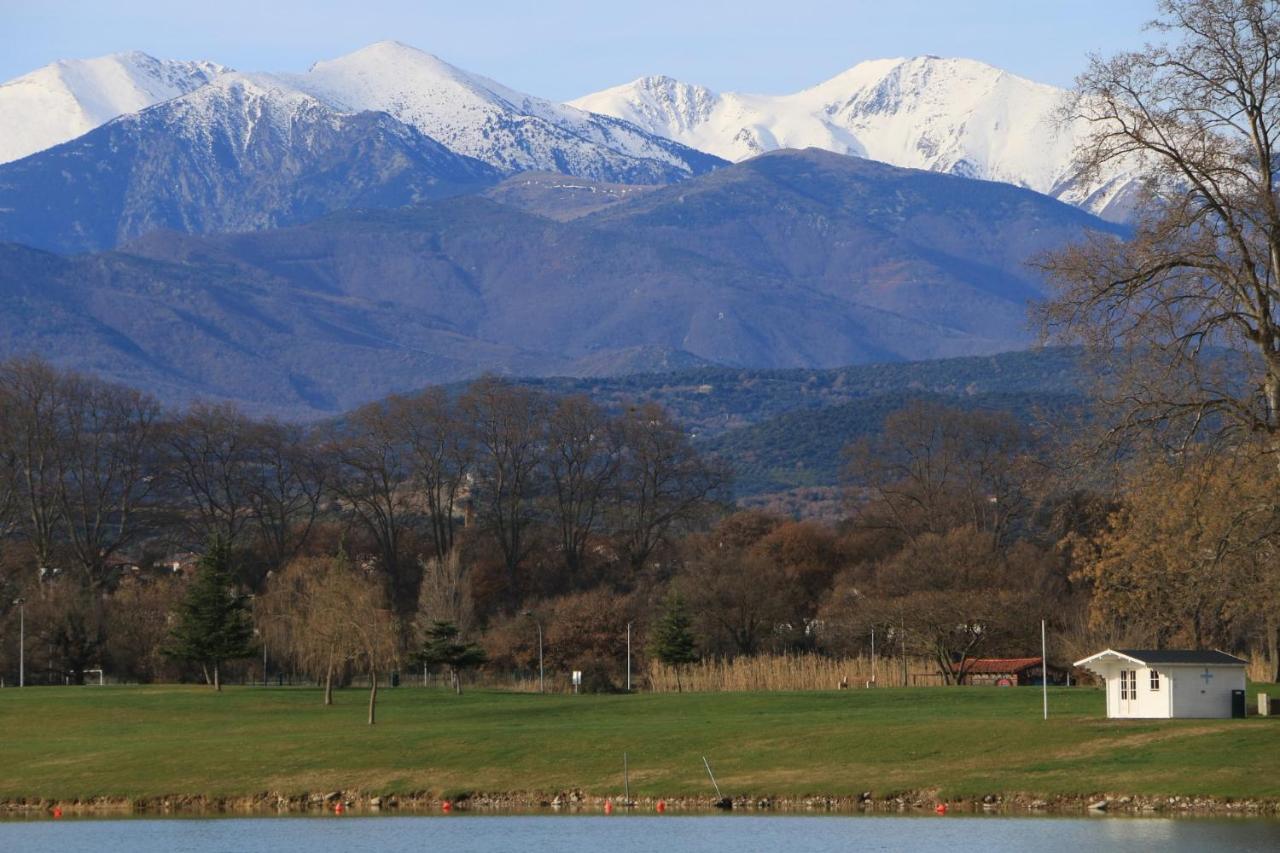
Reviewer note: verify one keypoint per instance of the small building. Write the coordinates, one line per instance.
(1008, 672)
(1166, 683)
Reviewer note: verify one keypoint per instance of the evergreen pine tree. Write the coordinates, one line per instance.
(442, 648)
(672, 638)
(213, 623)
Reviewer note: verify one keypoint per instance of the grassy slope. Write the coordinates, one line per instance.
(134, 742)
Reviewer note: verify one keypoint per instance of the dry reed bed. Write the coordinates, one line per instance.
(787, 672)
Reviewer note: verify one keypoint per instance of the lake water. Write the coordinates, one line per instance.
(669, 834)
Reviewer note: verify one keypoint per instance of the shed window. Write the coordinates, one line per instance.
(1155, 680)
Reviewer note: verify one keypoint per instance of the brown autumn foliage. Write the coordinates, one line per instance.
(1190, 557)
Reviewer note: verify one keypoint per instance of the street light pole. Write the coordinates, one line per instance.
(628, 657)
(22, 641)
(542, 674)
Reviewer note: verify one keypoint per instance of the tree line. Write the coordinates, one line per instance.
(463, 503)
(453, 529)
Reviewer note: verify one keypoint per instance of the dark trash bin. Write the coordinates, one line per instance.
(1237, 704)
(395, 679)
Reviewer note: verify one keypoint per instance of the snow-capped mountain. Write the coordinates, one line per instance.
(253, 150)
(66, 99)
(480, 118)
(469, 114)
(245, 152)
(957, 116)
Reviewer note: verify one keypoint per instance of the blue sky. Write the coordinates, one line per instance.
(564, 48)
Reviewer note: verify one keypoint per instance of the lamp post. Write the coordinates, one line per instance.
(542, 674)
(22, 641)
(628, 657)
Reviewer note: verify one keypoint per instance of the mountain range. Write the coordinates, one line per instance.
(385, 126)
(957, 116)
(791, 259)
(303, 243)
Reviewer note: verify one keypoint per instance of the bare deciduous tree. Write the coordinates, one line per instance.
(439, 444)
(663, 482)
(933, 468)
(373, 478)
(107, 466)
(583, 458)
(210, 457)
(1199, 114)
(285, 487)
(34, 409)
(508, 427)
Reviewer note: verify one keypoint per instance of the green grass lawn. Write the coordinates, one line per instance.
(66, 743)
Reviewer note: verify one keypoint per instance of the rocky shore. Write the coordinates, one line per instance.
(578, 802)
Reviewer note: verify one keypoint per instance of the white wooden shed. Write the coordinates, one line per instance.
(1165, 683)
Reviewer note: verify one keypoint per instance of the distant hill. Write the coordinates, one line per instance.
(807, 448)
(781, 430)
(792, 260)
(714, 401)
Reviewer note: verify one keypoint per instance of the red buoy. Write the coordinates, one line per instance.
(608, 807)
(57, 811)
(337, 808)
(662, 806)
(941, 808)
(446, 806)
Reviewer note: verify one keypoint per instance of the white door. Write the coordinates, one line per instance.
(1128, 691)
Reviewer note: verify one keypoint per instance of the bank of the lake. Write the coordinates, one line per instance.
(178, 748)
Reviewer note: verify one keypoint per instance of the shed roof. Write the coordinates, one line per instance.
(1170, 657)
(999, 665)
(1201, 656)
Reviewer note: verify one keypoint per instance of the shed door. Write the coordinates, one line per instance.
(1128, 691)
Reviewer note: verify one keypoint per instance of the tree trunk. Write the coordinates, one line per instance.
(373, 694)
(457, 682)
(217, 678)
(679, 689)
(328, 682)
(204, 667)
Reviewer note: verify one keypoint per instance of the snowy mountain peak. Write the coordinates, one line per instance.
(68, 98)
(960, 116)
(481, 118)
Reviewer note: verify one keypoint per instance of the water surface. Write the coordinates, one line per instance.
(632, 834)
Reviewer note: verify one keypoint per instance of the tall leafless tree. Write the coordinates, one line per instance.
(507, 424)
(933, 468)
(285, 487)
(107, 465)
(439, 446)
(34, 409)
(1198, 115)
(208, 470)
(663, 482)
(373, 480)
(583, 458)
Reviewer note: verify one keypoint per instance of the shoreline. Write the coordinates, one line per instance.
(355, 802)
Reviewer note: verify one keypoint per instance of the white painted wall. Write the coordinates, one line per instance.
(1193, 698)
(1144, 703)
(1182, 693)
